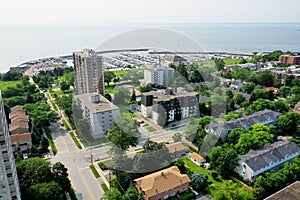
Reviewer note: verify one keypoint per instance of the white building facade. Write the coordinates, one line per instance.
(99, 112)
(158, 75)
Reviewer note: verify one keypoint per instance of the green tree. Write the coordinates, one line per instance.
(254, 139)
(133, 96)
(132, 193)
(109, 76)
(238, 99)
(288, 123)
(112, 194)
(265, 78)
(257, 94)
(69, 78)
(40, 114)
(284, 91)
(295, 90)
(64, 86)
(60, 176)
(248, 87)
(121, 96)
(220, 64)
(234, 135)
(230, 190)
(198, 181)
(123, 133)
(33, 171)
(146, 88)
(224, 159)
(45, 191)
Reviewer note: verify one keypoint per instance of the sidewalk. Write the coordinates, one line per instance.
(99, 170)
(63, 117)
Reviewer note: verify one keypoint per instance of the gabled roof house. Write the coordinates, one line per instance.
(270, 157)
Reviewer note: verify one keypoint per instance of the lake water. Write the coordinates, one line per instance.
(19, 44)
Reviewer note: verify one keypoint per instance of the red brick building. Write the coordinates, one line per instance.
(20, 135)
(292, 60)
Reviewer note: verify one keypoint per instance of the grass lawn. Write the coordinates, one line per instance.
(233, 61)
(75, 140)
(104, 187)
(104, 165)
(6, 84)
(109, 89)
(53, 147)
(66, 125)
(195, 168)
(215, 184)
(150, 129)
(95, 172)
(120, 73)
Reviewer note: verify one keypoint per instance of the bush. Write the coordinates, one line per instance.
(72, 194)
(103, 166)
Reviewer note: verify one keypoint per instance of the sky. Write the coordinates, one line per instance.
(91, 12)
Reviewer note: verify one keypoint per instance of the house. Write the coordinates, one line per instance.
(291, 192)
(265, 117)
(297, 108)
(225, 82)
(176, 149)
(237, 85)
(275, 90)
(20, 135)
(163, 184)
(270, 157)
(196, 158)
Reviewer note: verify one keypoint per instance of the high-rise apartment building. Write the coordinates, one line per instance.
(88, 72)
(158, 75)
(9, 184)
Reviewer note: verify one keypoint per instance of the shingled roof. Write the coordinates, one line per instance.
(269, 153)
(244, 122)
(161, 181)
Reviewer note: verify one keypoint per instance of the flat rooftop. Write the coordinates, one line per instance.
(165, 95)
(102, 106)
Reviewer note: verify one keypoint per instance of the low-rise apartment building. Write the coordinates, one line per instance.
(270, 157)
(166, 106)
(99, 112)
(265, 117)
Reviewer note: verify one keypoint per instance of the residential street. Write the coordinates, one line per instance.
(77, 161)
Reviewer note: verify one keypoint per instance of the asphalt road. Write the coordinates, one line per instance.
(77, 161)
